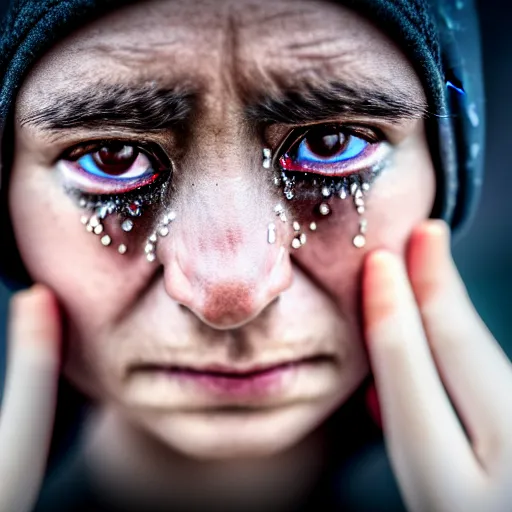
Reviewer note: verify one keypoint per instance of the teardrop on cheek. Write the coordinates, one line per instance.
(356, 191)
(162, 230)
(354, 186)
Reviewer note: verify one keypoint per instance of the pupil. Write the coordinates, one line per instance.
(116, 159)
(324, 143)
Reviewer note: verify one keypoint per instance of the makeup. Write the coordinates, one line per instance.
(106, 240)
(121, 178)
(281, 213)
(322, 163)
(324, 209)
(359, 241)
(127, 207)
(296, 243)
(162, 230)
(267, 158)
(150, 248)
(299, 238)
(127, 225)
(271, 233)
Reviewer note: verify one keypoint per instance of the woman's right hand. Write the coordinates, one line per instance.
(30, 395)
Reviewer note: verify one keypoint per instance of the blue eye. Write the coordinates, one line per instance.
(328, 150)
(114, 167)
(116, 161)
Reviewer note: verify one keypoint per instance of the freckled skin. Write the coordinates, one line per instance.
(217, 280)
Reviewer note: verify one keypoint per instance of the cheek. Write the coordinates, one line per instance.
(89, 279)
(399, 198)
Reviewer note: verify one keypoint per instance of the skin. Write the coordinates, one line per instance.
(219, 293)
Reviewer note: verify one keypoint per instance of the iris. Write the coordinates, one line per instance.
(332, 151)
(120, 162)
(329, 148)
(112, 167)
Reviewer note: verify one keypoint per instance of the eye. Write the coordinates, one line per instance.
(111, 167)
(333, 151)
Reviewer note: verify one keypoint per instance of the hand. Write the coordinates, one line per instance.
(429, 349)
(30, 391)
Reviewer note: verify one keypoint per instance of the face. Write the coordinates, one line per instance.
(211, 290)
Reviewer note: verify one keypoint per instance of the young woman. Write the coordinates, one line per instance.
(223, 206)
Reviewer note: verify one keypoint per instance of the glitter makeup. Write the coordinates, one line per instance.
(127, 207)
(115, 177)
(271, 233)
(325, 162)
(162, 230)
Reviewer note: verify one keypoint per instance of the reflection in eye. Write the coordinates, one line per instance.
(333, 151)
(111, 167)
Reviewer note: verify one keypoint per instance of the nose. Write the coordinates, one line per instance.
(221, 261)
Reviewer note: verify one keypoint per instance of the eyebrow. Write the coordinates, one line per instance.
(138, 108)
(320, 102)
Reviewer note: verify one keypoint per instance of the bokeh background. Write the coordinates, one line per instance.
(484, 255)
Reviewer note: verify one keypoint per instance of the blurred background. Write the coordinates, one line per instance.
(484, 255)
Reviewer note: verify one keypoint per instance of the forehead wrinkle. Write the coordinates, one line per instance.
(326, 52)
(320, 42)
(131, 54)
(254, 18)
(321, 60)
(260, 82)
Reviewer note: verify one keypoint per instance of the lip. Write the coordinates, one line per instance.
(232, 382)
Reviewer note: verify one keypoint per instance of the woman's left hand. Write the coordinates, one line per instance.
(429, 349)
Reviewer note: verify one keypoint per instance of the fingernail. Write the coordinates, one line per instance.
(383, 263)
(379, 283)
(437, 229)
(428, 259)
(34, 315)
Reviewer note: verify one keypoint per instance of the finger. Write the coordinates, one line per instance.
(28, 407)
(473, 367)
(429, 451)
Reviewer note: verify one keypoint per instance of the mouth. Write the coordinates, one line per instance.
(229, 381)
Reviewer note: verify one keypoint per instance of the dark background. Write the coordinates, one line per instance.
(483, 256)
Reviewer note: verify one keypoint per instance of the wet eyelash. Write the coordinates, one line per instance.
(75, 167)
(307, 185)
(126, 204)
(130, 202)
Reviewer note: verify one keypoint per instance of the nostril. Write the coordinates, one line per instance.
(226, 289)
(228, 304)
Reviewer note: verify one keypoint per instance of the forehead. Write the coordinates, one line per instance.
(224, 44)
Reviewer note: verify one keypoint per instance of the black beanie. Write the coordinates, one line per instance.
(440, 38)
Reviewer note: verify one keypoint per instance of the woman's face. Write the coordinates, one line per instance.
(209, 323)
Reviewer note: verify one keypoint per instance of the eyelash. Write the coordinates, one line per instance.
(300, 179)
(79, 168)
(307, 178)
(294, 147)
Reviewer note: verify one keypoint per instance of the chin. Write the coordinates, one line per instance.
(237, 433)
